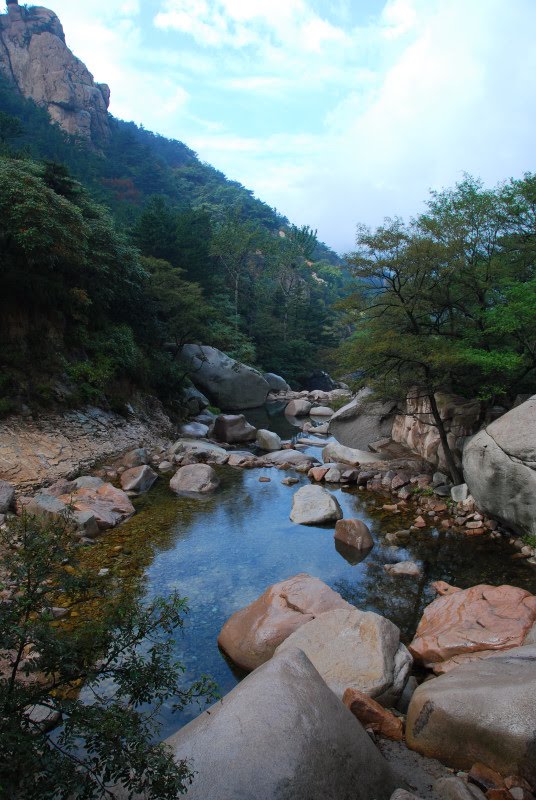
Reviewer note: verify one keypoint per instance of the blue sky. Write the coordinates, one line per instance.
(333, 111)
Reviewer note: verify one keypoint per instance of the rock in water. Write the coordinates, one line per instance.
(195, 479)
(372, 715)
(314, 505)
(282, 735)
(268, 441)
(138, 479)
(230, 385)
(298, 408)
(498, 465)
(233, 429)
(483, 711)
(353, 533)
(357, 650)
(252, 634)
(276, 382)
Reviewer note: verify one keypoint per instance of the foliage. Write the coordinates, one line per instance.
(122, 657)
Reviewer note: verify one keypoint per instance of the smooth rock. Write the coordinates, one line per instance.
(229, 384)
(250, 636)
(138, 479)
(355, 649)
(268, 441)
(7, 497)
(233, 429)
(373, 716)
(321, 411)
(337, 453)
(195, 400)
(298, 408)
(314, 505)
(42, 505)
(409, 568)
(195, 479)
(196, 430)
(291, 457)
(276, 382)
(353, 533)
(206, 451)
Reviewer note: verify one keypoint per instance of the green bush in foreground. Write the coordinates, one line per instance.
(105, 676)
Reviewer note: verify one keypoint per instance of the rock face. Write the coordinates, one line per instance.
(353, 533)
(282, 735)
(483, 712)
(233, 429)
(499, 465)
(35, 57)
(230, 385)
(314, 505)
(413, 429)
(252, 634)
(276, 382)
(473, 624)
(355, 649)
(195, 479)
(362, 421)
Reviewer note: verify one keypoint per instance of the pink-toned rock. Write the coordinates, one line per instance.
(420, 523)
(443, 588)
(353, 533)
(473, 623)
(373, 716)
(400, 480)
(318, 473)
(252, 634)
(109, 505)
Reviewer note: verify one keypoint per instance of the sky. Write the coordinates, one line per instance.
(335, 112)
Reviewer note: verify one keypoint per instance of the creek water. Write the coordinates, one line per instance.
(223, 551)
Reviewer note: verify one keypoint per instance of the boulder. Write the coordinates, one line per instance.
(276, 382)
(353, 533)
(355, 649)
(321, 411)
(195, 479)
(195, 430)
(298, 408)
(204, 451)
(109, 505)
(282, 735)
(483, 711)
(292, 457)
(7, 497)
(472, 624)
(334, 452)
(373, 716)
(499, 465)
(138, 479)
(233, 429)
(42, 505)
(314, 505)
(268, 441)
(252, 634)
(362, 421)
(459, 493)
(134, 458)
(229, 384)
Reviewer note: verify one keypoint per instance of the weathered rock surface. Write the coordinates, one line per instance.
(353, 533)
(251, 636)
(230, 385)
(355, 649)
(372, 715)
(337, 453)
(276, 382)
(298, 408)
(362, 421)
(195, 478)
(483, 711)
(233, 429)
(138, 479)
(314, 505)
(109, 505)
(35, 57)
(7, 496)
(282, 735)
(500, 468)
(473, 623)
(268, 441)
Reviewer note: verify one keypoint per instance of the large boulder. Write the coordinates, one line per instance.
(109, 506)
(314, 505)
(362, 421)
(482, 712)
(499, 465)
(281, 734)
(355, 649)
(138, 479)
(472, 624)
(276, 382)
(7, 496)
(233, 429)
(194, 479)
(268, 441)
(251, 636)
(229, 384)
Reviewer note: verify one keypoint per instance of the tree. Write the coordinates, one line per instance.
(119, 653)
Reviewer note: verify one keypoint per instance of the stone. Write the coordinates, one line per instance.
(233, 429)
(230, 385)
(373, 716)
(138, 479)
(484, 777)
(362, 421)
(453, 788)
(203, 451)
(403, 568)
(459, 493)
(165, 466)
(354, 649)
(499, 467)
(42, 717)
(242, 459)
(333, 475)
(86, 524)
(276, 383)
(7, 497)
(286, 736)
(109, 506)
(268, 441)
(443, 490)
(318, 473)
(195, 430)
(353, 533)
(194, 400)
(292, 458)
(298, 408)
(472, 623)
(252, 634)
(481, 711)
(42, 505)
(337, 453)
(194, 479)
(402, 704)
(314, 505)
(439, 478)
(400, 480)
(420, 523)
(321, 411)
(134, 458)
(290, 481)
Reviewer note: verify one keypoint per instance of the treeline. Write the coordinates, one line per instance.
(448, 301)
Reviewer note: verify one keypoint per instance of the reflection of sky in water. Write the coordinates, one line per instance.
(241, 541)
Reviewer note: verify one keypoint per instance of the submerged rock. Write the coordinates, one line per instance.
(195, 479)
(314, 505)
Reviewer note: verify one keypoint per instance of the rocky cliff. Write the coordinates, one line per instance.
(35, 57)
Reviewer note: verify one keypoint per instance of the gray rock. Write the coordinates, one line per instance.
(195, 400)
(454, 788)
(7, 497)
(233, 429)
(321, 411)
(482, 711)
(439, 479)
(362, 421)
(408, 691)
(195, 479)
(338, 453)
(204, 450)
(165, 466)
(500, 468)
(86, 523)
(459, 493)
(134, 458)
(292, 457)
(42, 504)
(229, 384)
(314, 505)
(281, 734)
(401, 794)
(530, 638)
(138, 479)
(196, 430)
(355, 650)
(298, 408)
(443, 490)
(276, 382)
(268, 441)
(86, 482)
